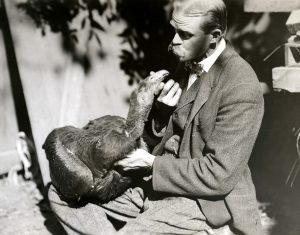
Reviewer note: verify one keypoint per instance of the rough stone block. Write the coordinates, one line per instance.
(292, 54)
(286, 78)
(293, 22)
(271, 5)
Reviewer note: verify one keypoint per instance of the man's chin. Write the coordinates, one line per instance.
(179, 57)
(182, 59)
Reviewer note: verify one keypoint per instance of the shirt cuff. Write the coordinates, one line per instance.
(155, 132)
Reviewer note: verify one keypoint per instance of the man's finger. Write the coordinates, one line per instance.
(172, 92)
(123, 162)
(166, 89)
(130, 168)
(176, 98)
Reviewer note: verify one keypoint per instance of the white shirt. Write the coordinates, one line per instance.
(208, 62)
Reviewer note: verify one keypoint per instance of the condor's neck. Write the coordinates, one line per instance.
(136, 120)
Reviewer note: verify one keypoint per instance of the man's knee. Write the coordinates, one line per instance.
(87, 219)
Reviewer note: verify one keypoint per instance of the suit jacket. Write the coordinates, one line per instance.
(219, 131)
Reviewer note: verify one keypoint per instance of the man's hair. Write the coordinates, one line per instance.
(217, 19)
(213, 10)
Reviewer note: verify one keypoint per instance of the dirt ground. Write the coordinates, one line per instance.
(24, 211)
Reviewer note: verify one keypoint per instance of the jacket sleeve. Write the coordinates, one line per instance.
(226, 152)
(156, 125)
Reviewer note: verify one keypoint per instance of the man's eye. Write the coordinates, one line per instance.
(184, 35)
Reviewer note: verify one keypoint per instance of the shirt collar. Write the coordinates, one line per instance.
(209, 61)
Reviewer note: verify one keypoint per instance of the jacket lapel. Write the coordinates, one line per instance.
(209, 82)
(201, 97)
(189, 96)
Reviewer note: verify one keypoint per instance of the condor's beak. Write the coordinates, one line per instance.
(160, 75)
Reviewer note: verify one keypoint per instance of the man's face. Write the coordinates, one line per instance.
(190, 42)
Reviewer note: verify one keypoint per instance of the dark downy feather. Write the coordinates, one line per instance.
(81, 160)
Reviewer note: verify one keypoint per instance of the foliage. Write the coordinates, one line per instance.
(59, 15)
(146, 20)
(148, 33)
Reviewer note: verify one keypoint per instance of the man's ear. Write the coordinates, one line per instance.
(216, 35)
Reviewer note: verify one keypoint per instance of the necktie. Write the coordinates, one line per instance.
(194, 67)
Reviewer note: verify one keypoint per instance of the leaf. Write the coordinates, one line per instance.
(125, 33)
(75, 38)
(91, 35)
(126, 53)
(111, 18)
(83, 23)
(96, 25)
(81, 6)
(130, 41)
(98, 39)
(71, 31)
(43, 31)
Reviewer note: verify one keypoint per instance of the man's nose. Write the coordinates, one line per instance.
(176, 40)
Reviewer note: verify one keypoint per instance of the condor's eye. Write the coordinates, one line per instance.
(184, 35)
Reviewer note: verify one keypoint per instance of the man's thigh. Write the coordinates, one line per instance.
(92, 218)
(172, 215)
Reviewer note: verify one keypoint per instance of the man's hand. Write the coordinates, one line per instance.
(170, 92)
(137, 160)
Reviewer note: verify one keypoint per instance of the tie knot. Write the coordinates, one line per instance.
(194, 67)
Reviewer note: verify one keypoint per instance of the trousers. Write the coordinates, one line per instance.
(141, 214)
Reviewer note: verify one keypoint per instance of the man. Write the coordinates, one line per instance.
(202, 136)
